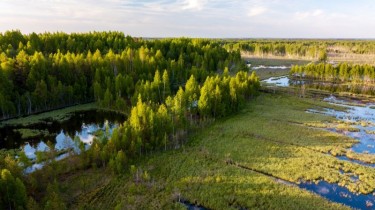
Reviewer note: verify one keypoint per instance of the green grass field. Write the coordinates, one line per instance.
(233, 164)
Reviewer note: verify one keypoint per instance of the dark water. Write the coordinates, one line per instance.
(78, 121)
(191, 206)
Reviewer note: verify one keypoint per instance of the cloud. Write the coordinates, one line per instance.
(256, 11)
(308, 14)
(197, 18)
(193, 4)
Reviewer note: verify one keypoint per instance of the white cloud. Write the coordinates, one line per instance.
(307, 14)
(193, 4)
(205, 18)
(256, 11)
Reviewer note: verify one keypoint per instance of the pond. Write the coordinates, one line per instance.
(278, 81)
(80, 126)
(47, 130)
(269, 67)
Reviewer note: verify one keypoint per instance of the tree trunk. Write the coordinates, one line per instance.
(29, 105)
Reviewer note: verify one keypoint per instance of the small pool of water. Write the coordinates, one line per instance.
(191, 206)
(270, 67)
(83, 124)
(278, 81)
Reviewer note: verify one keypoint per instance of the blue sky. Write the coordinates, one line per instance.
(195, 18)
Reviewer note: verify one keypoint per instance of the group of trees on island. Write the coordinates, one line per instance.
(342, 72)
(167, 86)
(359, 79)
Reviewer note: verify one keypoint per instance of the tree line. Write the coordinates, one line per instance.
(358, 79)
(342, 72)
(308, 49)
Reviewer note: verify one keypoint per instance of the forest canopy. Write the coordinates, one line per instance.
(46, 71)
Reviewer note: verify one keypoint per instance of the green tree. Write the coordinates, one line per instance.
(166, 85)
(12, 191)
(53, 198)
(322, 57)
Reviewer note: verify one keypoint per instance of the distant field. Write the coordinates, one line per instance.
(352, 58)
(276, 61)
(271, 72)
(332, 57)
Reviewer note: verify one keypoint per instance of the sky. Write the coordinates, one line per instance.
(195, 18)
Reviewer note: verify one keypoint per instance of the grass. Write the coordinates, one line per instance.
(56, 115)
(267, 73)
(256, 61)
(31, 133)
(268, 139)
(332, 57)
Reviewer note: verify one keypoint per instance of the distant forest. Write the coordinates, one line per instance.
(303, 48)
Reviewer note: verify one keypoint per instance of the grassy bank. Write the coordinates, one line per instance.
(269, 138)
(55, 115)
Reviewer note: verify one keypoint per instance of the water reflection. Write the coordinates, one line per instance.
(270, 67)
(340, 194)
(278, 81)
(65, 142)
(83, 124)
(358, 115)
